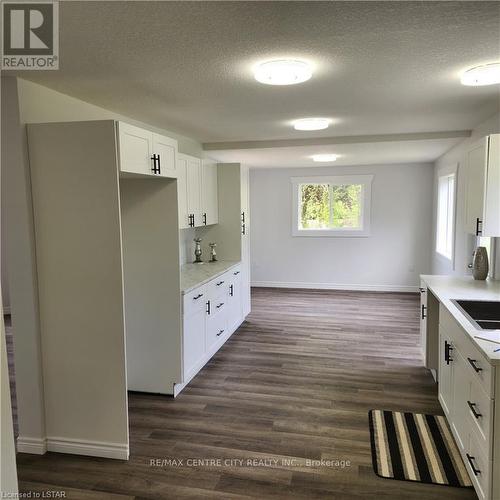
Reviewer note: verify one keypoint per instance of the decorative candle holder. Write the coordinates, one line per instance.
(213, 253)
(197, 251)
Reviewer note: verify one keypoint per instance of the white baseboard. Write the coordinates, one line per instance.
(335, 286)
(34, 446)
(89, 448)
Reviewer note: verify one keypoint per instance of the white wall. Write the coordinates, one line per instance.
(392, 258)
(464, 242)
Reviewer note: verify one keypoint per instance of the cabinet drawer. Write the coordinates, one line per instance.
(481, 414)
(216, 330)
(195, 300)
(218, 286)
(479, 467)
(479, 365)
(217, 306)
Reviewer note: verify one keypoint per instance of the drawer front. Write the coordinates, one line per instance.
(218, 286)
(479, 467)
(479, 365)
(216, 330)
(217, 305)
(195, 300)
(481, 414)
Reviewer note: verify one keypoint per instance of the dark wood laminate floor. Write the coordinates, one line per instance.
(293, 384)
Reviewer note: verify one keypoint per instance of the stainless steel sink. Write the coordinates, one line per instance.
(484, 314)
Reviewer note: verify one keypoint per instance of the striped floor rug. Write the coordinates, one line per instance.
(415, 447)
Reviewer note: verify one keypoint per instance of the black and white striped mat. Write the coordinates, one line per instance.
(415, 447)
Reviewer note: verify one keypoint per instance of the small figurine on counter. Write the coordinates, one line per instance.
(197, 251)
(213, 254)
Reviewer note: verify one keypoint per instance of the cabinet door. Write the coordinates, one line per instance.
(476, 161)
(135, 149)
(234, 301)
(193, 180)
(423, 320)
(245, 243)
(194, 341)
(491, 225)
(210, 205)
(182, 192)
(461, 393)
(446, 356)
(166, 149)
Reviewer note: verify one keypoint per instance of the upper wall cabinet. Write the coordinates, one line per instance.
(482, 199)
(193, 189)
(209, 198)
(142, 152)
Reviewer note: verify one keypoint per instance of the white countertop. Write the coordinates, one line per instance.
(448, 288)
(195, 275)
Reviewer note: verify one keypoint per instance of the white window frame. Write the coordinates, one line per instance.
(364, 180)
(446, 173)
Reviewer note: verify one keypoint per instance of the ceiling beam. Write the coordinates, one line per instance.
(322, 141)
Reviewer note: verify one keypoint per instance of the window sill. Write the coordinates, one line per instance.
(313, 233)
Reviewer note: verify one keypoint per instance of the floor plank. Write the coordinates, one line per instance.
(293, 384)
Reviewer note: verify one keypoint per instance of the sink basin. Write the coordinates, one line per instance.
(484, 314)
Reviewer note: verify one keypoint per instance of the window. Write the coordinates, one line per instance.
(331, 206)
(445, 215)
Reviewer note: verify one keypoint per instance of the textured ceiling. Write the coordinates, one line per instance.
(380, 67)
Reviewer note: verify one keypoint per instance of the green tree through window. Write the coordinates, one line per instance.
(330, 206)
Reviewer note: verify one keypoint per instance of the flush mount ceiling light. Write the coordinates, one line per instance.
(311, 123)
(487, 74)
(324, 157)
(283, 72)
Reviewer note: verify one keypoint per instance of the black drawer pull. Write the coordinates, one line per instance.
(231, 290)
(208, 307)
(472, 466)
(422, 290)
(478, 231)
(423, 311)
(198, 296)
(447, 349)
(472, 407)
(205, 219)
(220, 283)
(220, 333)
(473, 362)
(219, 305)
(236, 273)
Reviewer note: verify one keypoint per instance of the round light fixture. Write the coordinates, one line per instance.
(283, 72)
(324, 157)
(311, 123)
(487, 74)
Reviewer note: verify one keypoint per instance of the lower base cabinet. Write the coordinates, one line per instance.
(468, 394)
(211, 314)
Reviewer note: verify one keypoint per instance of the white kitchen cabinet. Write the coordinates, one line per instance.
(482, 193)
(460, 384)
(245, 242)
(445, 372)
(429, 328)
(145, 153)
(166, 150)
(234, 299)
(193, 190)
(193, 341)
(135, 146)
(184, 217)
(209, 198)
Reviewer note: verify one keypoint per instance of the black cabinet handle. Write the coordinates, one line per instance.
(473, 362)
(191, 220)
(208, 307)
(472, 465)
(198, 296)
(423, 311)
(220, 283)
(478, 231)
(422, 290)
(156, 169)
(472, 407)
(220, 333)
(219, 305)
(447, 349)
(231, 290)
(205, 219)
(236, 273)
(243, 229)
(159, 164)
